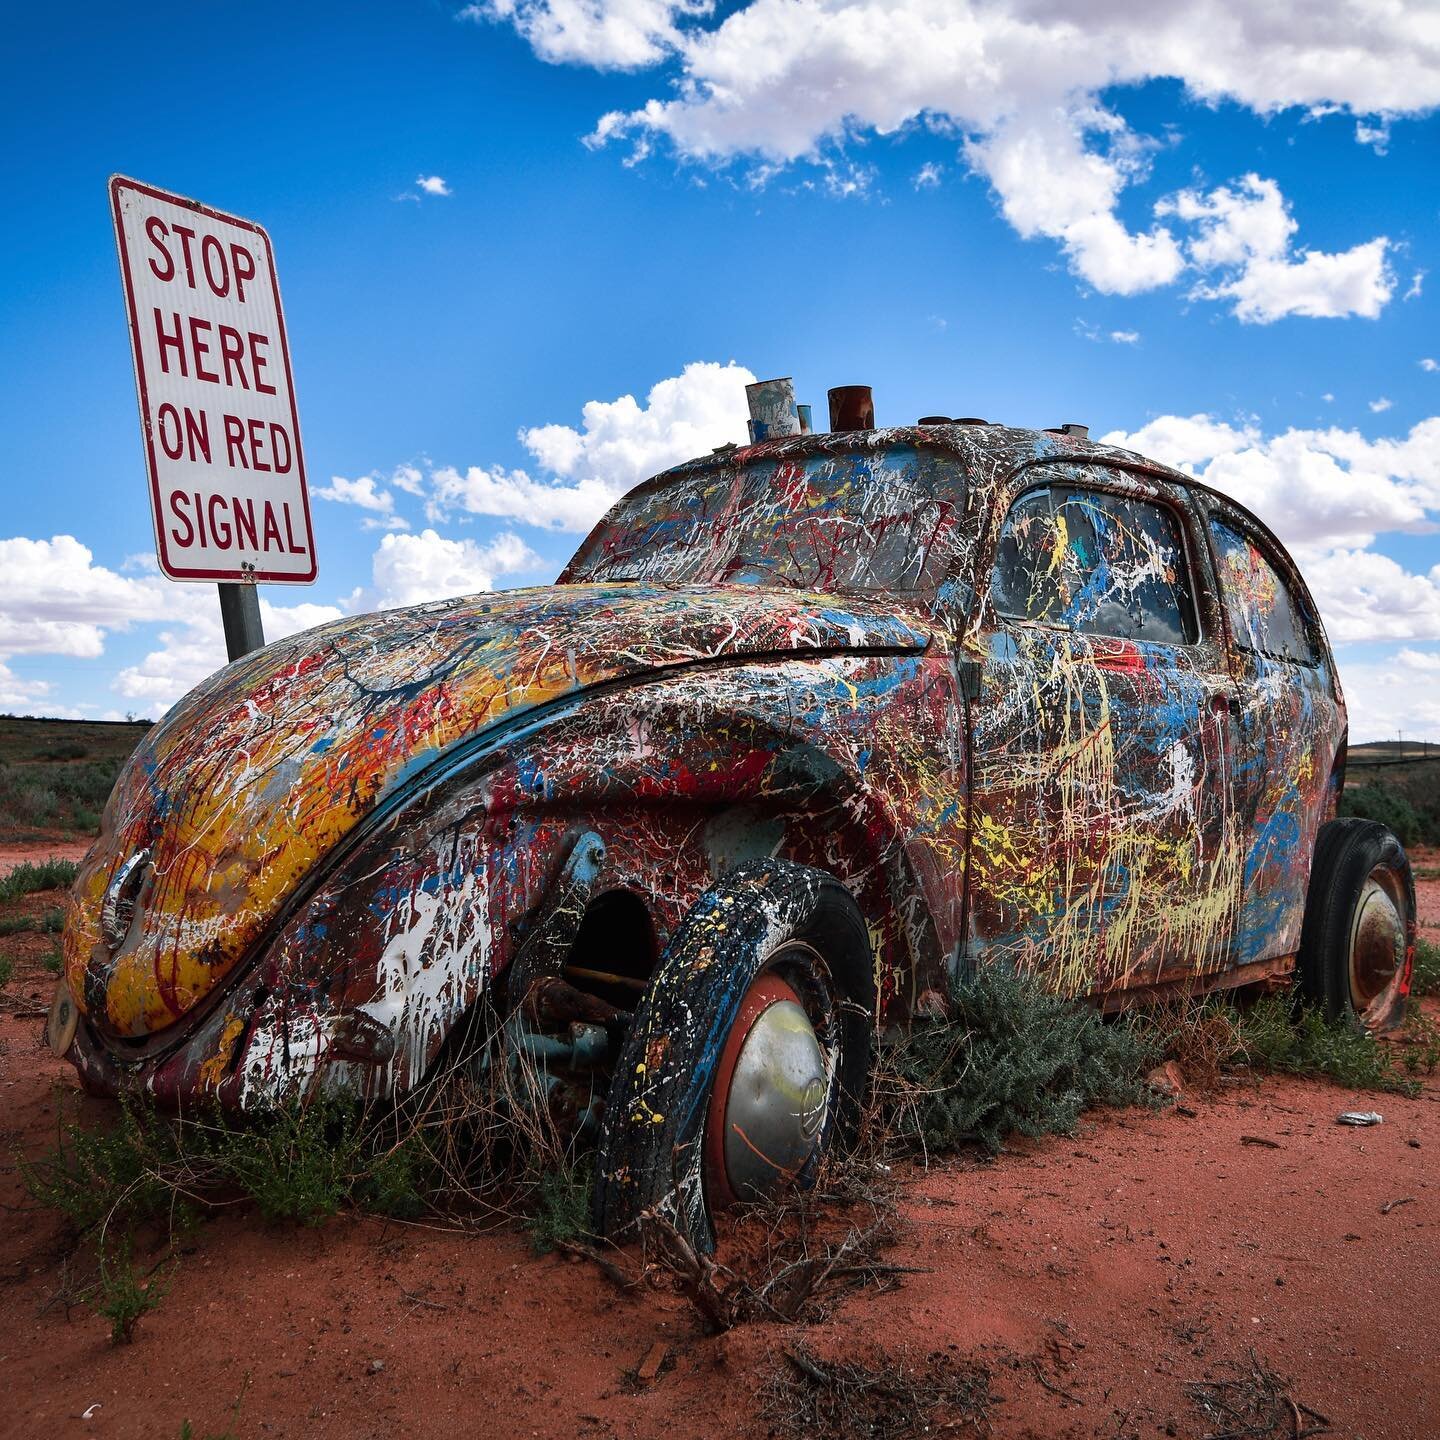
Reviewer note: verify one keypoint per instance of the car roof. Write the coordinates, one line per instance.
(994, 451)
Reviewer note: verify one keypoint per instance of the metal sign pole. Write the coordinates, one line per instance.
(240, 613)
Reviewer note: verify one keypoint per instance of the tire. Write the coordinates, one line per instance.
(1357, 944)
(768, 931)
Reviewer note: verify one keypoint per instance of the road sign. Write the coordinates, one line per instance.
(217, 398)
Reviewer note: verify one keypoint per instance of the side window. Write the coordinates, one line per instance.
(1263, 614)
(1095, 562)
(1022, 584)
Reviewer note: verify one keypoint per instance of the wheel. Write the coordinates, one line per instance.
(747, 1058)
(1358, 941)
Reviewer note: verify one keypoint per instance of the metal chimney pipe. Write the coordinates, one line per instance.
(804, 412)
(772, 408)
(852, 407)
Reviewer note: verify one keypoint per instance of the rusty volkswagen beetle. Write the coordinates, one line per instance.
(806, 730)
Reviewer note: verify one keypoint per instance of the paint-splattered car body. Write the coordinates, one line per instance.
(802, 648)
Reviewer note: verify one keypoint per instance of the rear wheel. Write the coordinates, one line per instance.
(748, 1054)
(1358, 940)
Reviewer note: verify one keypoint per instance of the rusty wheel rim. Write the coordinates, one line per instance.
(1377, 943)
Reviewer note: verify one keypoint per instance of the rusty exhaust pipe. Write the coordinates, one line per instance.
(852, 407)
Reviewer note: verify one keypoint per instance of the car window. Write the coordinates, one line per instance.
(1106, 564)
(1263, 614)
(887, 520)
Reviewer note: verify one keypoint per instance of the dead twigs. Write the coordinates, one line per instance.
(1255, 1406)
(884, 1399)
(790, 1259)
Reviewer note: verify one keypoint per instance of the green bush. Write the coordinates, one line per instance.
(562, 1206)
(29, 801)
(1011, 1058)
(1426, 978)
(66, 750)
(122, 1295)
(45, 794)
(305, 1165)
(134, 1171)
(298, 1165)
(28, 878)
(1270, 1036)
(301, 1165)
(1392, 808)
(88, 784)
(52, 922)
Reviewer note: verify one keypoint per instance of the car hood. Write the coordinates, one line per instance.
(262, 770)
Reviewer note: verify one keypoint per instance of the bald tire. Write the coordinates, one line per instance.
(1347, 852)
(651, 1152)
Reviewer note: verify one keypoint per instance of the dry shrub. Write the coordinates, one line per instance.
(789, 1259)
(1201, 1037)
(497, 1147)
(887, 1398)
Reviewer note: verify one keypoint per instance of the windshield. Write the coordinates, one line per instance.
(877, 520)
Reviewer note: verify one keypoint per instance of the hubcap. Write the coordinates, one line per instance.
(1377, 943)
(771, 1097)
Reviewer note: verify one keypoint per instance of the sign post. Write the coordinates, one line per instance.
(217, 401)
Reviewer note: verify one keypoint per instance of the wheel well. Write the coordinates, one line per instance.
(614, 950)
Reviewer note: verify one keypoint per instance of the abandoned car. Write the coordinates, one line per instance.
(807, 730)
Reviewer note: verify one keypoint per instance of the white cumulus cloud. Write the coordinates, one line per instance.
(23, 697)
(361, 492)
(1315, 488)
(364, 493)
(617, 444)
(776, 82)
(432, 185)
(55, 600)
(604, 34)
(410, 569)
(1397, 693)
(1242, 242)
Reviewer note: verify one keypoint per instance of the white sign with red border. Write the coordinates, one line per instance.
(217, 398)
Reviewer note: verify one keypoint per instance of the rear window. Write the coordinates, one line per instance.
(1105, 564)
(879, 520)
(1264, 616)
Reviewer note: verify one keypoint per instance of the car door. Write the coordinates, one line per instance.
(1290, 723)
(1105, 848)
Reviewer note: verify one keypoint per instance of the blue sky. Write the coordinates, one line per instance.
(967, 237)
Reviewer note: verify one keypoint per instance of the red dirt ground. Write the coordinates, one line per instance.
(67, 847)
(1094, 1276)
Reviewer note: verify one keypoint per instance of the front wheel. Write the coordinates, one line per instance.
(1358, 941)
(747, 1058)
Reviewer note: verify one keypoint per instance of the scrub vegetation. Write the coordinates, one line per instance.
(56, 775)
(478, 1145)
(1011, 1059)
(1406, 798)
(1426, 979)
(29, 879)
